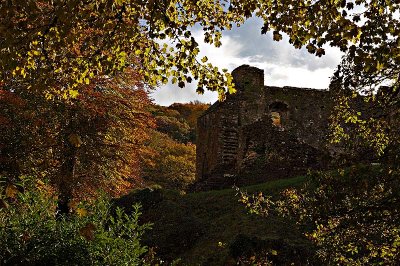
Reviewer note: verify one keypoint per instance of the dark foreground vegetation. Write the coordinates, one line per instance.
(212, 228)
(32, 233)
(347, 216)
(324, 218)
(207, 228)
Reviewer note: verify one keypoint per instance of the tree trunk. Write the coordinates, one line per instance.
(67, 174)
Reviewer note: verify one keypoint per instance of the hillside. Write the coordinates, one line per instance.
(169, 155)
(212, 228)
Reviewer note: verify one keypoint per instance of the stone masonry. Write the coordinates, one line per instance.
(262, 133)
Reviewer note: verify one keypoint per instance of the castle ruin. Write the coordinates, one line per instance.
(262, 133)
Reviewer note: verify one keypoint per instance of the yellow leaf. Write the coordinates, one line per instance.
(11, 191)
(379, 66)
(73, 93)
(277, 36)
(40, 183)
(81, 212)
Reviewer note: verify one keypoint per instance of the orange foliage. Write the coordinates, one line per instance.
(82, 145)
(190, 111)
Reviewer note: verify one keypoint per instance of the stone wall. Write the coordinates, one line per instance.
(262, 133)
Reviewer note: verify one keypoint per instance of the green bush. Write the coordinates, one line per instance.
(352, 215)
(95, 234)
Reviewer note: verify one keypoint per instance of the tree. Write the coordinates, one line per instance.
(368, 30)
(169, 163)
(82, 145)
(190, 112)
(177, 129)
(179, 120)
(57, 47)
(374, 123)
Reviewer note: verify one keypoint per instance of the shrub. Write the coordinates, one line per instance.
(352, 215)
(94, 234)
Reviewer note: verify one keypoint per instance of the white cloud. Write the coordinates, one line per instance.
(283, 65)
(298, 77)
(169, 94)
(226, 56)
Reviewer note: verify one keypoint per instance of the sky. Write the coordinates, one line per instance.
(283, 65)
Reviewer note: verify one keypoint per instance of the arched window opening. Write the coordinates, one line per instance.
(278, 111)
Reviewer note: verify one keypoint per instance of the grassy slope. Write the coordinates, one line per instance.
(193, 226)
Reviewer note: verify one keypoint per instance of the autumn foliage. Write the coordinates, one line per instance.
(81, 145)
(169, 163)
(170, 156)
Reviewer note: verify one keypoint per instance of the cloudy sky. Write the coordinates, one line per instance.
(283, 65)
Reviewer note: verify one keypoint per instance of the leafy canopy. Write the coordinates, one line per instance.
(60, 45)
(55, 47)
